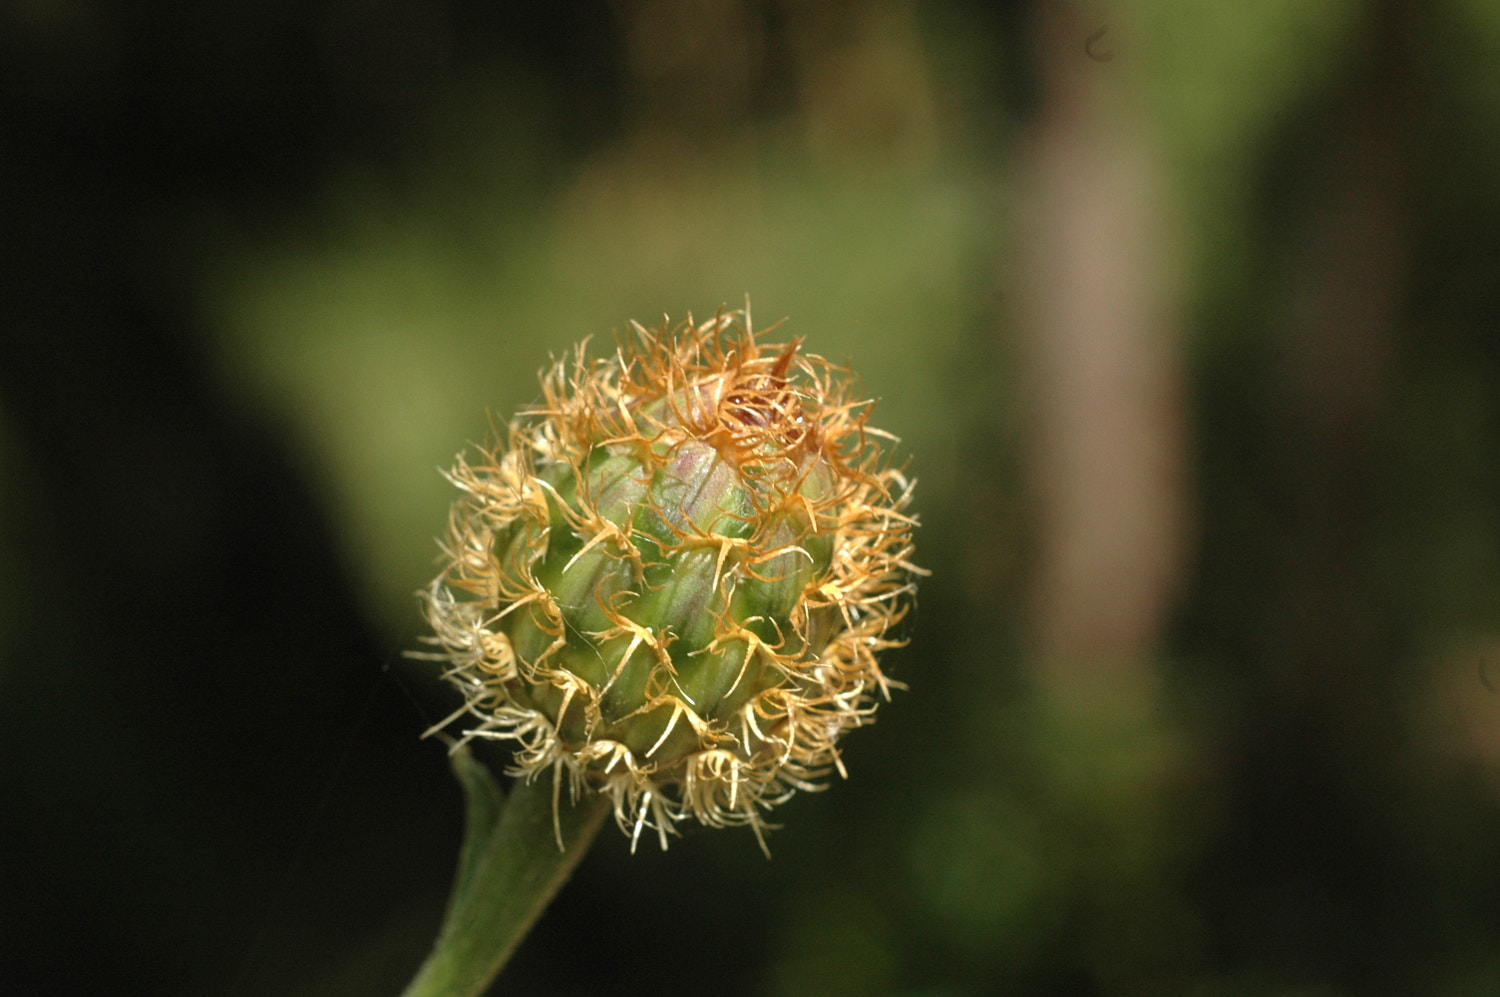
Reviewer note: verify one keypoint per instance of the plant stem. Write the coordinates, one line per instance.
(509, 869)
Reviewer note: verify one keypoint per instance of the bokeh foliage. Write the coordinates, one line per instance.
(268, 266)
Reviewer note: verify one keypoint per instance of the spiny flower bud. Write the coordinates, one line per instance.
(673, 579)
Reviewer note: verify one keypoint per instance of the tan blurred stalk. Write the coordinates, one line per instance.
(1101, 343)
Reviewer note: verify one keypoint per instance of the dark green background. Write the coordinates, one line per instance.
(265, 267)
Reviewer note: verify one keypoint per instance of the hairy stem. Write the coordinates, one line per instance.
(509, 869)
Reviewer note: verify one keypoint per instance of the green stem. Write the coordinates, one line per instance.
(509, 868)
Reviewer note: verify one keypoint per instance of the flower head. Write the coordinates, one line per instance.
(673, 578)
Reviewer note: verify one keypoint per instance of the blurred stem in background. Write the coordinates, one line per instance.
(1334, 333)
(1321, 762)
(1100, 338)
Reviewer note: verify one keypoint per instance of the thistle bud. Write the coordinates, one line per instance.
(673, 579)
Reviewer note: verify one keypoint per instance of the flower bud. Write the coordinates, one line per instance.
(673, 579)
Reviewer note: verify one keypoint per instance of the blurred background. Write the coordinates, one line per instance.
(1186, 313)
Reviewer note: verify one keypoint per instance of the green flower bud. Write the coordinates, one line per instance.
(673, 579)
